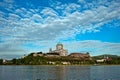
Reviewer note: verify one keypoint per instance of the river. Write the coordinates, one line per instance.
(60, 72)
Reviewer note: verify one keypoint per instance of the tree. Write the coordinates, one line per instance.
(14, 61)
(1, 61)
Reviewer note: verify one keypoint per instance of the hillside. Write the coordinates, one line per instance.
(105, 55)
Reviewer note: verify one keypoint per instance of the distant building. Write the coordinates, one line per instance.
(81, 55)
(104, 59)
(100, 60)
(23, 56)
(50, 62)
(65, 63)
(37, 54)
(4, 61)
(60, 50)
(52, 55)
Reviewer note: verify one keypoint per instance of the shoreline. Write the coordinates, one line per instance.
(66, 65)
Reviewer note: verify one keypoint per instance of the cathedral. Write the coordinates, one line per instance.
(59, 49)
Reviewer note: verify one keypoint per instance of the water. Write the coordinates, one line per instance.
(60, 72)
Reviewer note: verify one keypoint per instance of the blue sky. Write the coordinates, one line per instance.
(80, 25)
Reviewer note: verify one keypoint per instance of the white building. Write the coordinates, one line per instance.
(100, 60)
(60, 50)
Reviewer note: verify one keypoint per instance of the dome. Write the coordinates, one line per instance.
(59, 44)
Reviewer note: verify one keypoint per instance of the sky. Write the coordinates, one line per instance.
(80, 25)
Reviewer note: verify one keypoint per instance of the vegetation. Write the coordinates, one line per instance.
(41, 60)
(114, 59)
(1, 61)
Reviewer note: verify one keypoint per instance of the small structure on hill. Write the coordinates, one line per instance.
(37, 54)
(81, 55)
(105, 59)
(52, 55)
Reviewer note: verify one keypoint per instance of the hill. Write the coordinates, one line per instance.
(105, 56)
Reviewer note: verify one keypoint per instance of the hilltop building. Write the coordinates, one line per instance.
(59, 50)
(81, 55)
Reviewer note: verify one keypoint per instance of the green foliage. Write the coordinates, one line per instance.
(114, 59)
(41, 60)
(1, 61)
(58, 62)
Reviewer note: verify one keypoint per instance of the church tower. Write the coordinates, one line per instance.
(50, 50)
(61, 50)
(59, 46)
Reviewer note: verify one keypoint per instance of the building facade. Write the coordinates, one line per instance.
(60, 50)
(81, 55)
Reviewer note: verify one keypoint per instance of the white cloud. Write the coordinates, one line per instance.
(49, 12)
(10, 50)
(13, 17)
(8, 47)
(23, 12)
(8, 1)
(93, 46)
(80, 0)
(7, 5)
(47, 25)
(62, 22)
(36, 18)
(1, 14)
(66, 9)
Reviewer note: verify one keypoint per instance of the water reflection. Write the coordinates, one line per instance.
(66, 73)
(59, 72)
(62, 72)
(105, 72)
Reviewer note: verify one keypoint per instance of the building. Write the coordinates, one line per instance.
(65, 63)
(103, 59)
(81, 55)
(60, 50)
(23, 56)
(37, 54)
(55, 55)
(100, 60)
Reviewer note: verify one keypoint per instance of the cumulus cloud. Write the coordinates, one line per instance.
(57, 22)
(49, 12)
(8, 47)
(95, 47)
(7, 5)
(47, 23)
(10, 50)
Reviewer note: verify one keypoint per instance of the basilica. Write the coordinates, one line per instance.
(59, 50)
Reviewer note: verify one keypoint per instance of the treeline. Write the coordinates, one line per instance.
(1, 61)
(41, 60)
(114, 59)
(47, 61)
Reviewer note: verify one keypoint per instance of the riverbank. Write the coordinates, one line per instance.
(69, 65)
